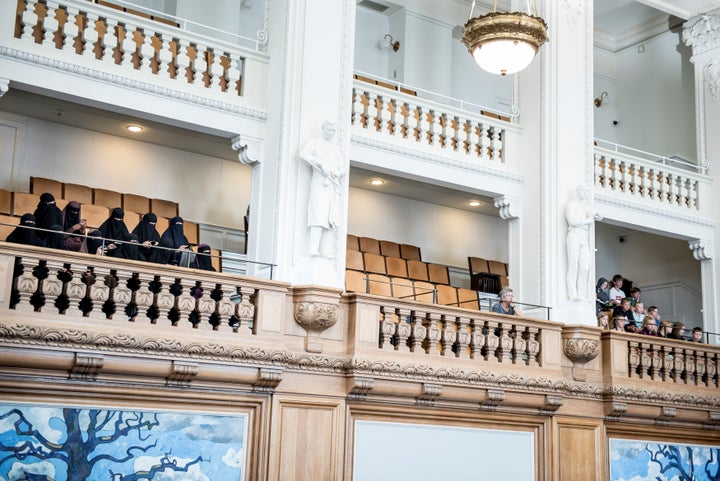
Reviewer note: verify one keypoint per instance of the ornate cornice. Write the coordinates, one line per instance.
(703, 35)
(436, 159)
(668, 214)
(127, 82)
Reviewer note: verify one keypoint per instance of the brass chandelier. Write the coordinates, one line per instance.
(504, 42)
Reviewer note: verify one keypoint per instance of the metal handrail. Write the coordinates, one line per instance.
(661, 159)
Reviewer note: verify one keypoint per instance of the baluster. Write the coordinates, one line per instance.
(411, 122)
(109, 41)
(622, 170)
(164, 55)
(246, 309)
(403, 330)
(52, 287)
(634, 180)
(387, 329)
(185, 304)
(225, 310)
(667, 364)
(478, 140)
(435, 129)
(492, 341)
(76, 292)
(457, 134)
(711, 370)
(144, 298)
(693, 195)
(506, 342)
(182, 60)
(216, 71)
(495, 143)
(29, 20)
(651, 183)
(449, 336)
(372, 111)
(518, 348)
(26, 285)
(634, 368)
(383, 114)
(147, 52)
(700, 367)
(205, 308)
(70, 29)
(682, 191)
(122, 296)
(657, 363)
(419, 333)
(533, 345)
(358, 109)
(679, 365)
(393, 125)
(662, 190)
(689, 366)
(90, 36)
(645, 360)
(164, 300)
(463, 338)
(50, 23)
(642, 189)
(672, 193)
(434, 333)
(129, 46)
(423, 125)
(597, 168)
(478, 339)
(234, 73)
(99, 293)
(199, 65)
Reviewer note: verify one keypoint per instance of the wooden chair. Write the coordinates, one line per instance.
(95, 214)
(355, 281)
(5, 202)
(389, 249)
(354, 260)
(417, 270)
(424, 291)
(162, 224)
(477, 265)
(379, 285)
(24, 203)
(192, 232)
(368, 244)
(497, 267)
(447, 295)
(374, 263)
(468, 299)
(410, 252)
(136, 203)
(78, 193)
(481, 279)
(164, 208)
(108, 198)
(353, 242)
(5, 230)
(396, 266)
(40, 185)
(402, 288)
(438, 274)
(132, 219)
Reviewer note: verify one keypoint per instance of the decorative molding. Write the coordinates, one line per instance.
(581, 345)
(702, 250)
(573, 10)
(182, 373)
(711, 75)
(703, 35)
(430, 393)
(436, 159)
(127, 82)
(495, 397)
(315, 310)
(268, 380)
(86, 366)
(360, 387)
(250, 149)
(4, 86)
(509, 207)
(667, 214)
(552, 404)
(262, 34)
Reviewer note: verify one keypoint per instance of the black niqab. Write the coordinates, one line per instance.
(47, 214)
(27, 234)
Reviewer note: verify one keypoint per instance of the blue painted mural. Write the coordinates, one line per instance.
(43, 443)
(652, 461)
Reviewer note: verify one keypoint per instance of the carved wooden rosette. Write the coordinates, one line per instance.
(581, 345)
(315, 309)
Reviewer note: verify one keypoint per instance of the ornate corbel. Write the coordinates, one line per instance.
(430, 393)
(4, 86)
(509, 207)
(581, 345)
(181, 374)
(267, 380)
(86, 366)
(666, 414)
(712, 421)
(249, 149)
(701, 249)
(360, 386)
(703, 35)
(552, 404)
(494, 398)
(316, 309)
(616, 411)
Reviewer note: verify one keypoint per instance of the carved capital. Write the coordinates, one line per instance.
(249, 149)
(509, 207)
(267, 380)
(4, 86)
(87, 366)
(581, 345)
(182, 373)
(430, 393)
(315, 309)
(703, 35)
(701, 249)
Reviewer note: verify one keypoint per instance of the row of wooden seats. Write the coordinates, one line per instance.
(487, 275)
(14, 204)
(409, 289)
(103, 197)
(383, 247)
(397, 267)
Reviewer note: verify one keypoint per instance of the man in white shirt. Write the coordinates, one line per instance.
(616, 294)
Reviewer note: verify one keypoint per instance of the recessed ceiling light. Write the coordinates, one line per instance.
(377, 182)
(474, 203)
(134, 128)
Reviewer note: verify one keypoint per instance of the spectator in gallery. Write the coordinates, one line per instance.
(625, 311)
(616, 293)
(73, 224)
(47, 214)
(25, 233)
(149, 238)
(602, 297)
(203, 259)
(634, 296)
(665, 328)
(653, 311)
(619, 323)
(639, 313)
(678, 331)
(603, 319)
(174, 238)
(649, 327)
(697, 334)
(506, 304)
(115, 233)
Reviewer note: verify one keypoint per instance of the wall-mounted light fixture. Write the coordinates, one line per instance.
(599, 100)
(388, 42)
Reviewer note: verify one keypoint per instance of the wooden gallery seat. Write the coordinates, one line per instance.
(78, 193)
(368, 244)
(468, 299)
(447, 295)
(136, 203)
(425, 292)
(410, 252)
(417, 270)
(481, 279)
(355, 281)
(132, 219)
(402, 288)
(108, 198)
(374, 263)
(40, 185)
(354, 260)
(379, 285)
(438, 274)
(5, 230)
(192, 232)
(164, 208)
(5, 202)
(95, 214)
(353, 242)
(216, 259)
(389, 249)
(396, 266)
(162, 225)
(24, 203)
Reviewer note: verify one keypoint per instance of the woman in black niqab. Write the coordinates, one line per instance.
(25, 233)
(203, 258)
(47, 214)
(174, 238)
(148, 238)
(113, 229)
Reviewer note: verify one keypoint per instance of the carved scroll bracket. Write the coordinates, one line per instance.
(667, 413)
(250, 149)
(430, 393)
(316, 309)
(87, 366)
(360, 386)
(581, 345)
(552, 404)
(494, 398)
(268, 380)
(701, 249)
(616, 410)
(4, 86)
(509, 207)
(181, 374)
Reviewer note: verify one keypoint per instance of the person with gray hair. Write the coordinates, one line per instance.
(506, 304)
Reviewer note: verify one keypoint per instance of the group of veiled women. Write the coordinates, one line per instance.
(65, 229)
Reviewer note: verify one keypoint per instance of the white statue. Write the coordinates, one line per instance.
(580, 216)
(326, 159)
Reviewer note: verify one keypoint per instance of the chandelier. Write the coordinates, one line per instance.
(504, 42)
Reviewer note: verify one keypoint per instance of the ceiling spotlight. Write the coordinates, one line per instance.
(474, 203)
(134, 128)
(377, 182)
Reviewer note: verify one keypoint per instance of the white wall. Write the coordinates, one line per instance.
(226, 15)
(208, 189)
(444, 235)
(370, 28)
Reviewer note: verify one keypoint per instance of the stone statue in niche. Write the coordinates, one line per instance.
(580, 216)
(324, 204)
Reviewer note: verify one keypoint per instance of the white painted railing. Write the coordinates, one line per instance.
(401, 116)
(103, 41)
(648, 180)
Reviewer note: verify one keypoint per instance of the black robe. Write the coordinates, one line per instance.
(27, 234)
(47, 215)
(146, 231)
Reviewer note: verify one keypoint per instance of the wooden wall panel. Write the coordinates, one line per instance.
(579, 449)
